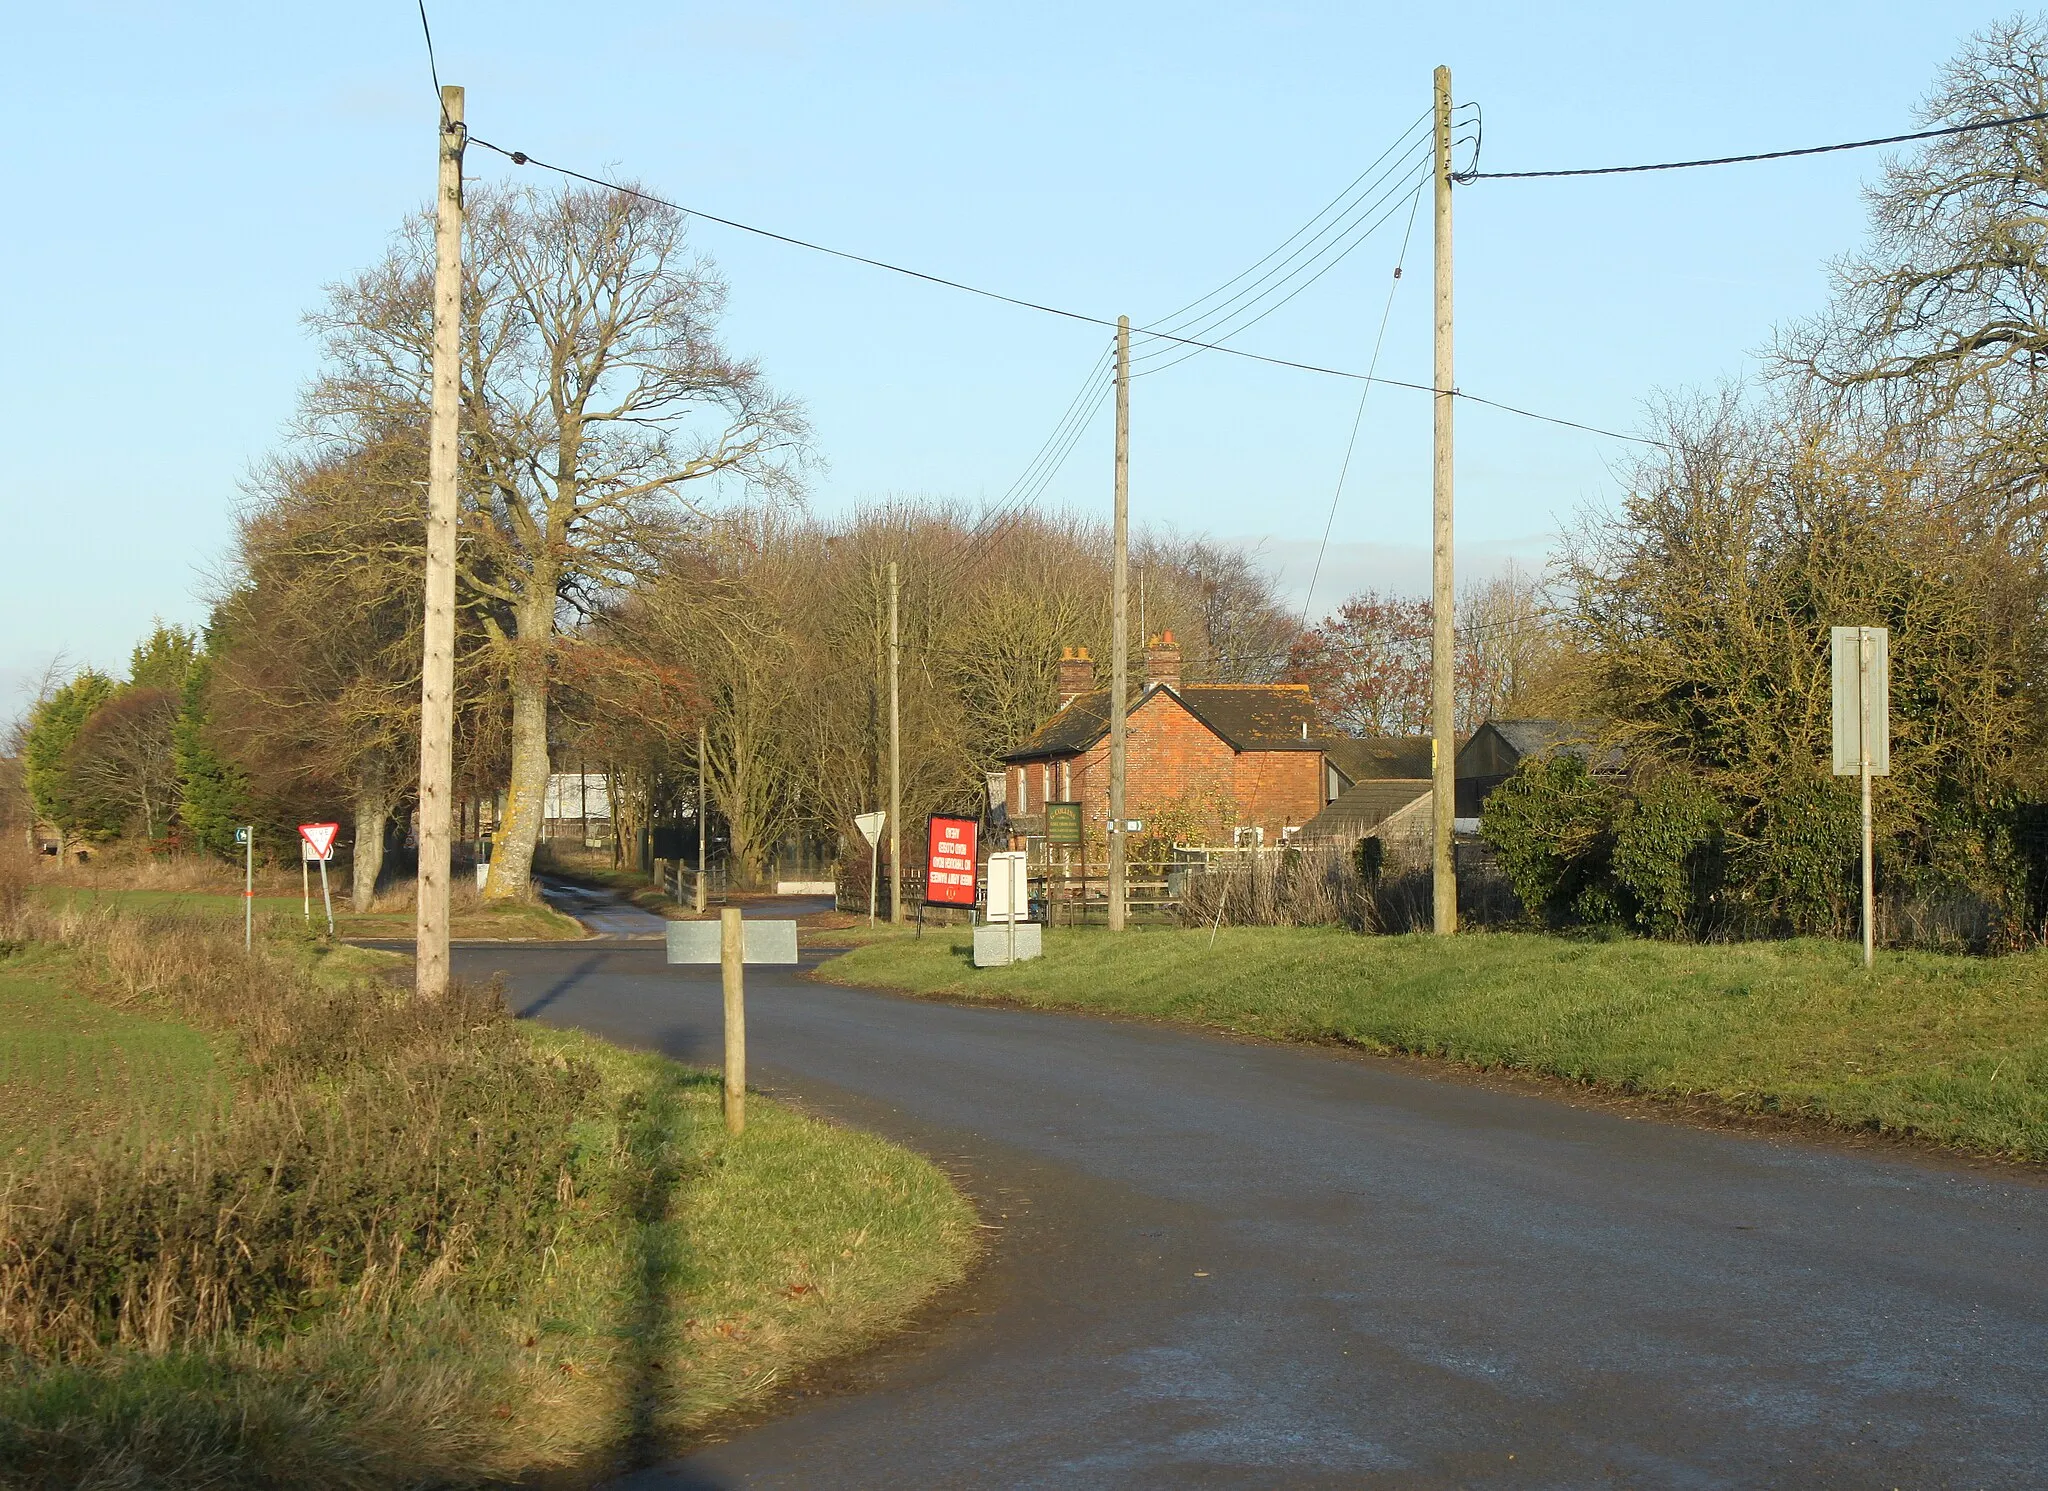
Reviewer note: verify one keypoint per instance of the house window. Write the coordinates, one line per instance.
(1045, 784)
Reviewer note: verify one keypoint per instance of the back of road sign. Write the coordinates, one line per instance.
(761, 942)
(1862, 693)
(1009, 888)
(870, 826)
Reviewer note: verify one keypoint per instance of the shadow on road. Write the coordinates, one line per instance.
(561, 986)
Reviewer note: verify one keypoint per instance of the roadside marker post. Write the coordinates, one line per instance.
(732, 944)
(1861, 659)
(870, 826)
(732, 968)
(246, 837)
(318, 839)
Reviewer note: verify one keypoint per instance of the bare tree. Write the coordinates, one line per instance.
(315, 684)
(1368, 665)
(124, 760)
(1941, 323)
(1221, 604)
(1514, 658)
(595, 392)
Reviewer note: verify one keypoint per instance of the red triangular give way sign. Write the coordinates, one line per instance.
(321, 837)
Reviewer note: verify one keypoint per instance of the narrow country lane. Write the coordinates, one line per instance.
(602, 912)
(1229, 1264)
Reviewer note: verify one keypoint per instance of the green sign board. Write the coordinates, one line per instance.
(1062, 823)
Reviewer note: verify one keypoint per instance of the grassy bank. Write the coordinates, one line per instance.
(472, 917)
(310, 1232)
(1949, 1048)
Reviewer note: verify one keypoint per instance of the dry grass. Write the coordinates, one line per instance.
(423, 1245)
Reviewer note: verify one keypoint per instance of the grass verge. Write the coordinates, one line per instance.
(72, 1069)
(342, 1240)
(517, 921)
(1952, 1049)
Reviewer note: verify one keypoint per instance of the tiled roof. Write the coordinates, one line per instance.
(1084, 721)
(1533, 737)
(1378, 757)
(1361, 809)
(1256, 716)
(1247, 716)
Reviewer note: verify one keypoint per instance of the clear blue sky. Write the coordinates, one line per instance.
(185, 179)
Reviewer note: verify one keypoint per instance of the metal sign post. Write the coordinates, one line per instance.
(1007, 934)
(1861, 657)
(319, 839)
(246, 837)
(870, 826)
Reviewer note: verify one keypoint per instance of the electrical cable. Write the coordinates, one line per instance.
(1061, 438)
(1038, 473)
(1736, 160)
(1179, 320)
(1023, 501)
(521, 158)
(433, 68)
(1359, 418)
(1254, 320)
(1349, 236)
(1343, 223)
(1344, 204)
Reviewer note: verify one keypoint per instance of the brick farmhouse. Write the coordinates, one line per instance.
(1235, 755)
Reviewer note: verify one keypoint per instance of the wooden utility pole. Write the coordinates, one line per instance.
(732, 959)
(1119, 623)
(702, 898)
(1442, 594)
(895, 760)
(437, 672)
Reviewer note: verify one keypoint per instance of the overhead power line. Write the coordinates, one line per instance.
(521, 158)
(1201, 316)
(1737, 160)
(1357, 419)
(1220, 328)
(433, 70)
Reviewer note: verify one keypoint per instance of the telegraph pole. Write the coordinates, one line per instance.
(895, 761)
(1119, 623)
(437, 672)
(1443, 599)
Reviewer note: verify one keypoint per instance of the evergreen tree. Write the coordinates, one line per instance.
(213, 791)
(53, 729)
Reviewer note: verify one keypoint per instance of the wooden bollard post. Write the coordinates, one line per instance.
(732, 952)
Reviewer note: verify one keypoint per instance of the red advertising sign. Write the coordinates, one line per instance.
(949, 860)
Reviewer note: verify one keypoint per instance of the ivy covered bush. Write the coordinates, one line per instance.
(1656, 850)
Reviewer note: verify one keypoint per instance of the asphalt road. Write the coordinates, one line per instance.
(1238, 1265)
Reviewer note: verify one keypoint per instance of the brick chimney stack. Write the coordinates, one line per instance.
(1077, 674)
(1162, 661)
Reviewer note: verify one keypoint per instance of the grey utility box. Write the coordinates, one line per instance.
(764, 942)
(992, 943)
